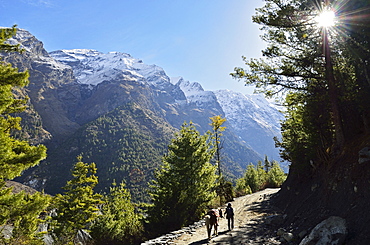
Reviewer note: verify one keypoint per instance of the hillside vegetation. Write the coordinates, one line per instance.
(120, 113)
(127, 144)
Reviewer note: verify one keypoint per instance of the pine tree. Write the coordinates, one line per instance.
(241, 187)
(327, 99)
(183, 186)
(25, 217)
(20, 210)
(78, 206)
(267, 164)
(118, 223)
(275, 176)
(251, 178)
(15, 155)
(256, 178)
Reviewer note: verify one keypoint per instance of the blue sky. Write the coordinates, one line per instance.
(200, 40)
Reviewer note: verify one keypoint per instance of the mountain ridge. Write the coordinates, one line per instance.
(71, 89)
(194, 93)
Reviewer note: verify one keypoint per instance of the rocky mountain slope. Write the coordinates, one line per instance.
(259, 122)
(121, 113)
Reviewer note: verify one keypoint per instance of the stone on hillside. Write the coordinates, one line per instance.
(274, 220)
(364, 155)
(288, 236)
(330, 231)
(83, 237)
(6, 231)
(302, 234)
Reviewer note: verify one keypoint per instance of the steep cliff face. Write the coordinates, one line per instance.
(117, 112)
(53, 90)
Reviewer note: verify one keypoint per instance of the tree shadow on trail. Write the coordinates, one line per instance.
(256, 230)
(206, 241)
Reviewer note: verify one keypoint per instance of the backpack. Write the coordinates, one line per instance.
(213, 215)
(229, 212)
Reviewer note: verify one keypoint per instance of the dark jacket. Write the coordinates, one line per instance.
(229, 212)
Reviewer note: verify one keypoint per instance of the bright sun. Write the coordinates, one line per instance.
(326, 18)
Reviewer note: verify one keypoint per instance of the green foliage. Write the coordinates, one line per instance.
(15, 155)
(126, 144)
(257, 178)
(241, 188)
(302, 137)
(224, 190)
(320, 108)
(19, 210)
(183, 186)
(78, 206)
(275, 176)
(5, 34)
(292, 61)
(23, 213)
(118, 222)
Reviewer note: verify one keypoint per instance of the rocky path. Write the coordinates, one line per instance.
(249, 211)
(251, 225)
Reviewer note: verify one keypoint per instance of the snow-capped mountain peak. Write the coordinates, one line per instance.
(195, 93)
(190, 88)
(93, 67)
(254, 118)
(74, 55)
(254, 106)
(33, 47)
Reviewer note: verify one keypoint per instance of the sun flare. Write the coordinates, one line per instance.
(326, 18)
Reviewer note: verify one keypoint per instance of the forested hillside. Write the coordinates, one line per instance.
(126, 144)
(83, 102)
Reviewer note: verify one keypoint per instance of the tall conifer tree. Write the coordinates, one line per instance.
(78, 206)
(20, 210)
(118, 222)
(324, 112)
(184, 184)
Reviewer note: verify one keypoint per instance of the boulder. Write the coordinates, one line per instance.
(331, 231)
(275, 220)
(364, 155)
(288, 236)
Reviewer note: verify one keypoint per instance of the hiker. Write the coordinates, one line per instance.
(220, 213)
(230, 216)
(211, 222)
(214, 215)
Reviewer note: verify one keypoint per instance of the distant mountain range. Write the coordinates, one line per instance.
(121, 113)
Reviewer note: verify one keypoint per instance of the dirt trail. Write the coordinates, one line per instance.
(249, 210)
